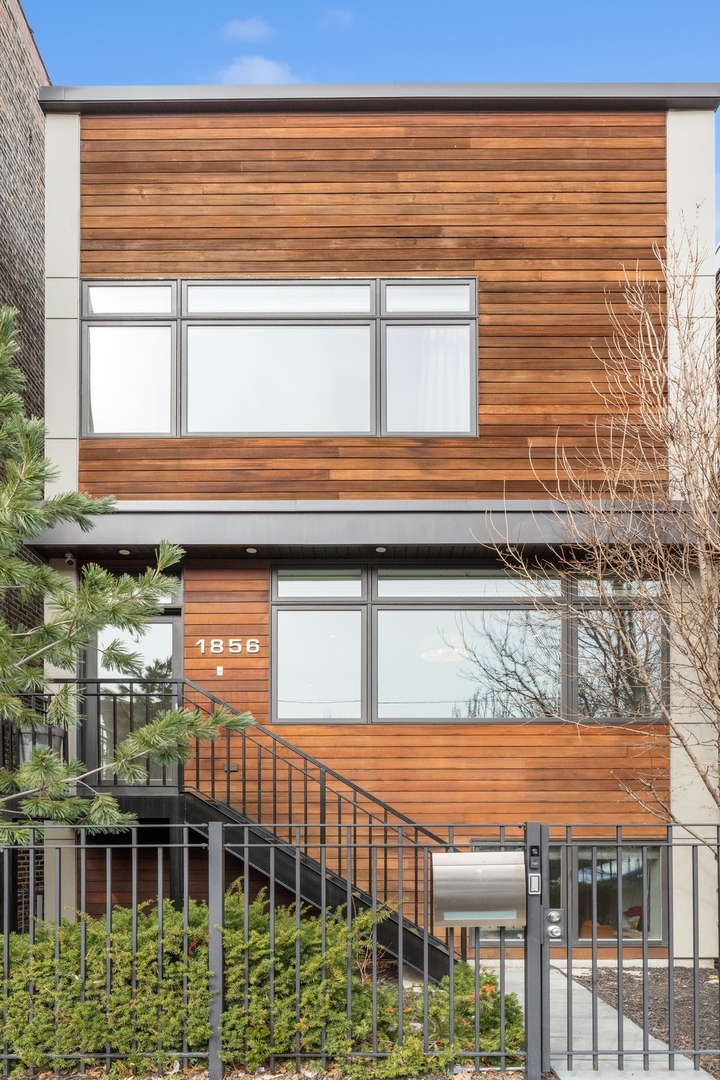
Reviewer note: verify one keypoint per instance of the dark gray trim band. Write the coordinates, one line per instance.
(379, 96)
(349, 524)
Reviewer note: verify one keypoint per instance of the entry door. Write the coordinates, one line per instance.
(118, 705)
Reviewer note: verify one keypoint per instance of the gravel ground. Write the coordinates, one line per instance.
(708, 1005)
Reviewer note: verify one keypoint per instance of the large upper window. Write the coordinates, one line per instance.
(384, 644)
(308, 357)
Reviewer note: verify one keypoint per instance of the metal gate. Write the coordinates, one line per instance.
(620, 950)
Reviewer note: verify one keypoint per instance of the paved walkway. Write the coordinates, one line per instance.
(608, 1029)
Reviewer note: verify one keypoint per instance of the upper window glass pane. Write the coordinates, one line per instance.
(468, 664)
(279, 299)
(323, 583)
(319, 663)
(431, 299)
(615, 588)
(130, 377)
(154, 649)
(454, 583)
(279, 379)
(620, 664)
(129, 299)
(428, 371)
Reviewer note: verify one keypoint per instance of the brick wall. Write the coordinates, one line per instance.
(22, 166)
(22, 155)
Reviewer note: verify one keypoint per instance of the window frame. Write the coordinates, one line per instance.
(567, 853)
(129, 283)
(404, 320)
(85, 402)
(341, 604)
(569, 857)
(189, 324)
(566, 602)
(377, 319)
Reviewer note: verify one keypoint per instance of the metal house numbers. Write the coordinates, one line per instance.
(218, 646)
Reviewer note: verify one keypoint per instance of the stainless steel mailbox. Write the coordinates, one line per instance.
(479, 888)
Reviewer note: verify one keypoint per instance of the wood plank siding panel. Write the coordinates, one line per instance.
(467, 772)
(223, 602)
(544, 209)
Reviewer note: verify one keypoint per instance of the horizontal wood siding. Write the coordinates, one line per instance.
(544, 209)
(224, 603)
(491, 773)
(467, 772)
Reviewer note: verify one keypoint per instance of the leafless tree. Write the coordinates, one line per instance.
(638, 516)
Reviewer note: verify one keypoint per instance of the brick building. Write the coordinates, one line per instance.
(22, 158)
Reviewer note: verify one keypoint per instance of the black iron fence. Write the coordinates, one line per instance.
(209, 944)
(218, 945)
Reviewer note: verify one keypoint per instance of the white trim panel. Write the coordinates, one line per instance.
(62, 284)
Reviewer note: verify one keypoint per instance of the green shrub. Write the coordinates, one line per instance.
(148, 1010)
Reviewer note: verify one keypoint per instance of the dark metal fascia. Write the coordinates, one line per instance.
(383, 97)
(315, 525)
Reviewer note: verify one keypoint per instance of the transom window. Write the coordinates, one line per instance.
(346, 357)
(388, 645)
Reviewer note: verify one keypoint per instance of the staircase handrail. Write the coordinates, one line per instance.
(179, 684)
(328, 770)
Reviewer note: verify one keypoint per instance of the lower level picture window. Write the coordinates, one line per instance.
(608, 893)
(439, 645)
(463, 664)
(319, 661)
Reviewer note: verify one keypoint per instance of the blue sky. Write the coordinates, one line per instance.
(86, 42)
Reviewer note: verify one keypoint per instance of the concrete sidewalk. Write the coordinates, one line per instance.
(610, 1028)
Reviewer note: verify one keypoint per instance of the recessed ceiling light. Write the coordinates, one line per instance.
(123, 551)
(251, 551)
(381, 550)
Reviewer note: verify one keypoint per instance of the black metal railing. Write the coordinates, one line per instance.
(257, 776)
(265, 778)
(115, 709)
(18, 740)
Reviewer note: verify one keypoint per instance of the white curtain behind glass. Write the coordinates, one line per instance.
(428, 378)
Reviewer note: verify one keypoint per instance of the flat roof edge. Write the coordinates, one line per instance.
(382, 96)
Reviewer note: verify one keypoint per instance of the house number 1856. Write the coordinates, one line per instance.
(232, 645)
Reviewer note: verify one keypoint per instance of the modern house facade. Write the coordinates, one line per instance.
(329, 339)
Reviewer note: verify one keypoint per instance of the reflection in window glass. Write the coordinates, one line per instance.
(126, 705)
(154, 648)
(130, 375)
(619, 663)
(278, 299)
(615, 588)
(468, 664)
(319, 663)
(331, 583)
(279, 378)
(428, 378)
(433, 298)
(636, 912)
(454, 583)
(129, 299)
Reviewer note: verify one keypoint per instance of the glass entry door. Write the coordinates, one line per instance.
(118, 705)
